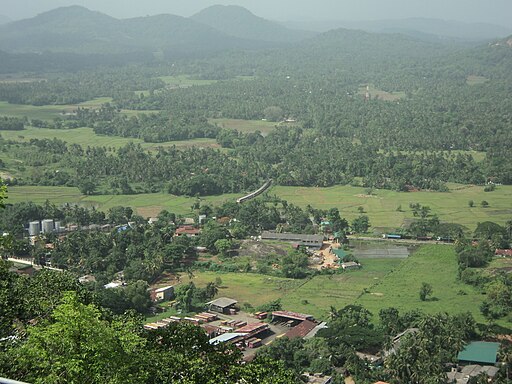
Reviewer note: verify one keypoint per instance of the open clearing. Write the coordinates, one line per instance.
(381, 283)
(47, 112)
(184, 81)
(86, 137)
(381, 207)
(478, 156)
(314, 296)
(246, 126)
(433, 264)
(380, 94)
(149, 204)
(50, 112)
(475, 80)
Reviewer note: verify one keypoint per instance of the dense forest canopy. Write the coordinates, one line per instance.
(424, 111)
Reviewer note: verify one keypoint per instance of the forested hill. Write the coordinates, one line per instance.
(239, 22)
(417, 27)
(76, 29)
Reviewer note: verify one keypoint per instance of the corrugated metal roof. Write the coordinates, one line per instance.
(163, 289)
(249, 328)
(339, 252)
(301, 330)
(223, 302)
(292, 237)
(226, 337)
(292, 315)
(480, 352)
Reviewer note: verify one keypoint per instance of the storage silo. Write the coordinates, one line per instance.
(58, 228)
(34, 228)
(47, 225)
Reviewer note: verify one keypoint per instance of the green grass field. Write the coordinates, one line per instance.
(147, 205)
(381, 283)
(50, 112)
(314, 296)
(184, 81)
(46, 112)
(381, 207)
(433, 264)
(86, 137)
(246, 126)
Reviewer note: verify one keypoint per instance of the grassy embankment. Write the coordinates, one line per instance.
(381, 207)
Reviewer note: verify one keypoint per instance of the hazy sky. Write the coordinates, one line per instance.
(492, 11)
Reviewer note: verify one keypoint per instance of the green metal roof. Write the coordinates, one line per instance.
(480, 352)
(339, 252)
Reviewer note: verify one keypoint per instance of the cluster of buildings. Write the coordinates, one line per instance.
(224, 323)
(476, 358)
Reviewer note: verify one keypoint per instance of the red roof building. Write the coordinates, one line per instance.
(503, 252)
(301, 330)
(253, 329)
(187, 230)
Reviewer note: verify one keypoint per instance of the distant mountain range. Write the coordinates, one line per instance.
(423, 28)
(76, 29)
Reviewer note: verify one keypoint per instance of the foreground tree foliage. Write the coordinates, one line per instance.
(79, 344)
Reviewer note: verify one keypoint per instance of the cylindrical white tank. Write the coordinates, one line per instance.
(57, 226)
(47, 225)
(34, 228)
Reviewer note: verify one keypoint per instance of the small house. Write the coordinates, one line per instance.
(187, 230)
(308, 241)
(222, 305)
(164, 293)
(350, 265)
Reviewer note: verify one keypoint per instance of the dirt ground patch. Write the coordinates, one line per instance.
(258, 249)
(363, 196)
(149, 211)
(325, 258)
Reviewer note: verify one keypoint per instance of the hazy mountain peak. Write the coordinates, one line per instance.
(235, 9)
(239, 22)
(71, 11)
